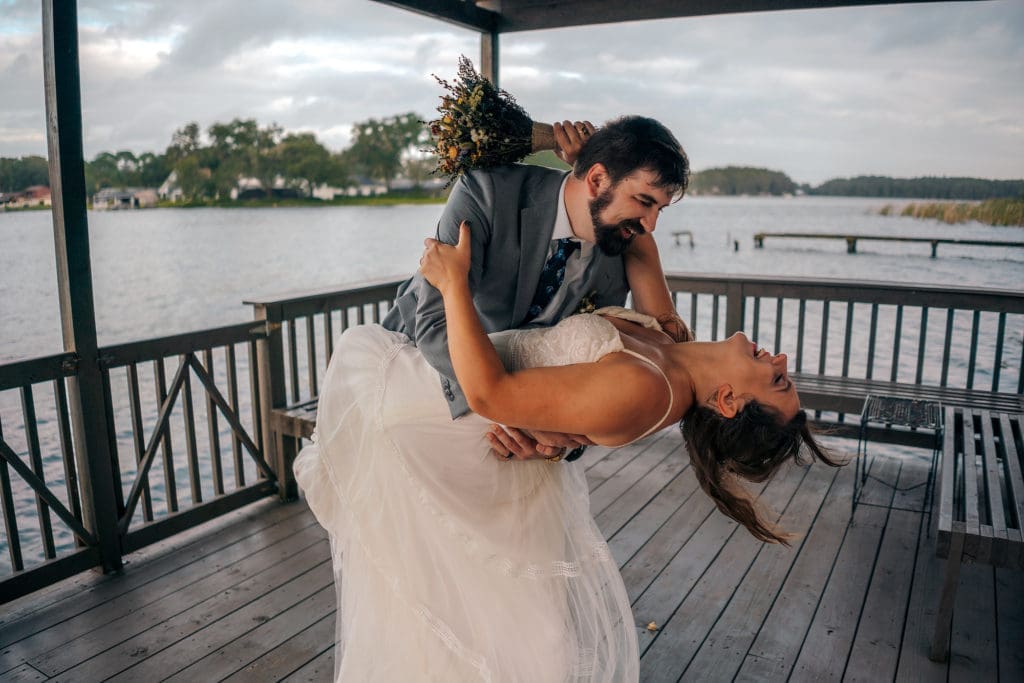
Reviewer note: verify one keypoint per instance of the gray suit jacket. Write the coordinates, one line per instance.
(512, 213)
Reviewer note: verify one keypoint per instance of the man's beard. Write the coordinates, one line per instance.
(608, 236)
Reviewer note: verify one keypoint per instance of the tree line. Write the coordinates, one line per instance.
(209, 167)
(739, 180)
(383, 149)
(922, 188)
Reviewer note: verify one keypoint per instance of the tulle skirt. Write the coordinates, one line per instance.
(451, 565)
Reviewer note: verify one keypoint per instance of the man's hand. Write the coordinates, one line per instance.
(509, 443)
(570, 136)
(675, 327)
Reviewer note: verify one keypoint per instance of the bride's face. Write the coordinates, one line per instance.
(754, 373)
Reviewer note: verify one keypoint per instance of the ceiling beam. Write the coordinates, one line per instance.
(458, 12)
(531, 15)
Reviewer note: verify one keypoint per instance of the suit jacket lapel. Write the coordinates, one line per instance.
(536, 225)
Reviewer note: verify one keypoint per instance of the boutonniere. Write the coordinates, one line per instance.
(586, 304)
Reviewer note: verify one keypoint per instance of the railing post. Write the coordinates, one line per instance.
(279, 452)
(86, 399)
(489, 56)
(734, 302)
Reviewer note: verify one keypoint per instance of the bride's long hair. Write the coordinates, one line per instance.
(752, 446)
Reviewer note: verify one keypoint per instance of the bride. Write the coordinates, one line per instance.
(452, 565)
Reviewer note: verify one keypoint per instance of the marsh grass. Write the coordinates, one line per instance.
(990, 211)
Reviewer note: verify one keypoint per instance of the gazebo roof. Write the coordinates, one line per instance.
(505, 16)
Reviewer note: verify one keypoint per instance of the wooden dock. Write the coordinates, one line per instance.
(679, 234)
(851, 240)
(249, 597)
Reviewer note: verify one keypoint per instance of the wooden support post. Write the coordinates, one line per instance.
(734, 308)
(86, 402)
(489, 56)
(278, 452)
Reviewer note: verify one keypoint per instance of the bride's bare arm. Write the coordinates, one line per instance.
(610, 401)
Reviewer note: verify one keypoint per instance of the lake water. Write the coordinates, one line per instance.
(167, 271)
(164, 271)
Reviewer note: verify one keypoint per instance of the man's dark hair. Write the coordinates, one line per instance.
(631, 143)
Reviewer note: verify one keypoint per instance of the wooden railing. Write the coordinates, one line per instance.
(301, 329)
(920, 334)
(167, 478)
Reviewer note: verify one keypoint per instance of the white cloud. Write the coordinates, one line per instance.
(899, 90)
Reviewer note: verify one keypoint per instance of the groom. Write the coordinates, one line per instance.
(544, 242)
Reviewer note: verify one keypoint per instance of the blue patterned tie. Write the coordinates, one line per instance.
(551, 277)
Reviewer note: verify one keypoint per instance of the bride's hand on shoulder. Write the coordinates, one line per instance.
(444, 265)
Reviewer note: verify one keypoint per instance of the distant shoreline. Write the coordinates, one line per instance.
(263, 203)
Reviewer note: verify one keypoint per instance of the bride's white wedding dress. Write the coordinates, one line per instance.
(451, 564)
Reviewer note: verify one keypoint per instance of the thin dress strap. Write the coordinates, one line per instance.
(671, 397)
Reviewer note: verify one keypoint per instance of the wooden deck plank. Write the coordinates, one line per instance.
(614, 486)
(137, 598)
(722, 653)
(628, 539)
(293, 654)
(676, 583)
(913, 664)
(1010, 624)
(876, 646)
(220, 632)
(643, 464)
(185, 623)
(616, 459)
(633, 500)
(653, 557)
(593, 455)
(912, 491)
(59, 603)
(271, 632)
(823, 654)
(22, 674)
(972, 643)
(774, 651)
(316, 671)
(724, 603)
(876, 649)
(681, 634)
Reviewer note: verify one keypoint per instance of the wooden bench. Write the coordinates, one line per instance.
(847, 395)
(980, 501)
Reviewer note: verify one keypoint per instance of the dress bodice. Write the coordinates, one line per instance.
(584, 338)
(576, 339)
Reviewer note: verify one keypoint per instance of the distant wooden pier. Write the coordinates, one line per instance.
(851, 240)
(678, 234)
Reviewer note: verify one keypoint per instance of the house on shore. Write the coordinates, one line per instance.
(36, 195)
(169, 189)
(116, 199)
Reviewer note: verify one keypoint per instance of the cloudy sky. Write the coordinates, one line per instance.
(904, 90)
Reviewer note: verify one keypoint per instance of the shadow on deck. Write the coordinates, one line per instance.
(250, 597)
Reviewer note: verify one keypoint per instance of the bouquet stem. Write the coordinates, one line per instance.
(542, 137)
